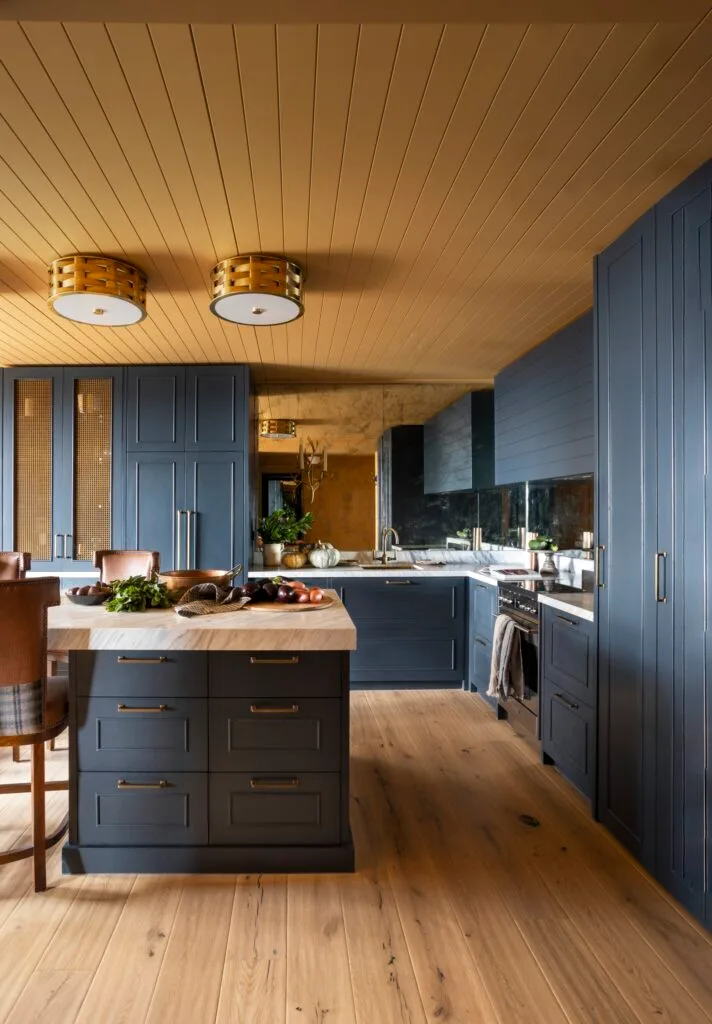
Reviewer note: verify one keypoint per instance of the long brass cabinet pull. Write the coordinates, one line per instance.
(294, 660)
(565, 702)
(399, 583)
(660, 598)
(600, 582)
(123, 784)
(141, 661)
(274, 783)
(125, 708)
(571, 622)
(263, 709)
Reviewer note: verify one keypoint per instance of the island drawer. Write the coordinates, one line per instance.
(142, 673)
(264, 809)
(142, 808)
(273, 734)
(142, 733)
(275, 674)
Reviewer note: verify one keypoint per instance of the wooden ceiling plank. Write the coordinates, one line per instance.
(335, 67)
(527, 71)
(436, 172)
(560, 77)
(375, 61)
(170, 170)
(613, 177)
(17, 345)
(296, 77)
(414, 61)
(27, 309)
(551, 207)
(176, 271)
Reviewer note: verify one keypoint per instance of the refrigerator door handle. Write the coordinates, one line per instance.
(189, 540)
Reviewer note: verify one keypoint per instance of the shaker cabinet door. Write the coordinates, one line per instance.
(216, 400)
(155, 408)
(155, 492)
(215, 502)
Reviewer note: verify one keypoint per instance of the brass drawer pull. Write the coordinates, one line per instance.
(141, 661)
(600, 550)
(571, 622)
(398, 583)
(125, 708)
(565, 702)
(294, 660)
(262, 709)
(274, 783)
(660, 598)
(123, 784)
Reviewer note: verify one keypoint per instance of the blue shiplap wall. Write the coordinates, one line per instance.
(543, 409)
(447, 445)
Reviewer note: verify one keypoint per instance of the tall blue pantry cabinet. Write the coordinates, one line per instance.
(654, 530)
(153, 457)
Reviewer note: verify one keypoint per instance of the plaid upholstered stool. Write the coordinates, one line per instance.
(33, 707)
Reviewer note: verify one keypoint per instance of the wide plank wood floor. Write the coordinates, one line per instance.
(460, 911)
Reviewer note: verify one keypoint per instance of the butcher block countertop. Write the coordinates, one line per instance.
(81, 628)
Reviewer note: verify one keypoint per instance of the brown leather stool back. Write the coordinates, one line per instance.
(14, 564)
(23, 652)
(117, 565)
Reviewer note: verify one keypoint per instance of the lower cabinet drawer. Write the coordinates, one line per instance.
(275, 674)
(270, 734)
(406, 659)
(264, 809)
(150, 734)
(141, 673)
(142, 809)
(568, 737)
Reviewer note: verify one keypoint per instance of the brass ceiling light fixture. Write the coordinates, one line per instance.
(97, 290)
(257, 289)
(278, 430)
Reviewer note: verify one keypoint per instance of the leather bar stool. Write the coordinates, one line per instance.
(13, 566)
(34, 707)
(117, 565)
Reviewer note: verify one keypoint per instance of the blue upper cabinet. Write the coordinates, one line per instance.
(217, 400)
(193, 408)
(543, 409)
(155, 408)
(458, 445)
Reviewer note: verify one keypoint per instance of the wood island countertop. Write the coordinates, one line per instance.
(80, 628)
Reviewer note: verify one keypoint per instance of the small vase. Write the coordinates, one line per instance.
(272, 555)
(548, 566)
(294, 559)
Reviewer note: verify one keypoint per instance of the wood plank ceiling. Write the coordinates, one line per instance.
(445, 186)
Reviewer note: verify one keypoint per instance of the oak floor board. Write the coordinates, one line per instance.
(125, 980)
(458, 910)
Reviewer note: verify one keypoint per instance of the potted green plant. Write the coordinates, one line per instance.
(280, 527)
(548, 545)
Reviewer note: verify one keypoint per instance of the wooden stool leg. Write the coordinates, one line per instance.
(50, 745)
(16, 754)
(39, 857)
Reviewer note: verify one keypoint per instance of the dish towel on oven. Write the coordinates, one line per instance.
(506, 674)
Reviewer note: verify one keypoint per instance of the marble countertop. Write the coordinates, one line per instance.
(76, 627)
(580, 605)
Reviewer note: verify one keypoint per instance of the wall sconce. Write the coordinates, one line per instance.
(313, 465)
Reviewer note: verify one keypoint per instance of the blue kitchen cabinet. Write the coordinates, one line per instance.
(684, 591)
(63, 465)
(458, 445)
(411, 631)
(193, 408)
(155, 500)
(626, 517)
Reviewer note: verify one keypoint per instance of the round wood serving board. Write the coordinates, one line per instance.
(278, 606)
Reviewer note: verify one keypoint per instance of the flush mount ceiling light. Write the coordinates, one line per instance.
(278, 430)
(97, 290)
(256, 289)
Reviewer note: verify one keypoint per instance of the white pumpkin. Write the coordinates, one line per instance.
(334, 555)
(320, 556)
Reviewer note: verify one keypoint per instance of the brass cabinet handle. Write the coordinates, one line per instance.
(121, 660)
(660, 598)
(274, 783)
(567, 703)
(399, 583)
(294, 660)
(56, 545)
(261, 709)
(600, 582)
(571, 622)
(123, 784)
(124, 708)
(68, 537)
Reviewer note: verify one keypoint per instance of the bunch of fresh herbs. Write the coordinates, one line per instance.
(136, 594)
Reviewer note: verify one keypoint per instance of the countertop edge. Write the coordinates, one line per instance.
(576, 604)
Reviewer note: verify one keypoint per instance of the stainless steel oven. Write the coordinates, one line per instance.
(522, 606)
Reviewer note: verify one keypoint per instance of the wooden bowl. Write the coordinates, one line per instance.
(183, 579)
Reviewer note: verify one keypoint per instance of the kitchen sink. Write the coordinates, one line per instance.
(388, 567)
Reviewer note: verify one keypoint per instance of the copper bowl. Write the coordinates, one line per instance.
(182, 579)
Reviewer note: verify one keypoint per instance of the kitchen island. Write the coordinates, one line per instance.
(212, 744)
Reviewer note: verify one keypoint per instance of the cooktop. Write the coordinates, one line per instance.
(543, 586)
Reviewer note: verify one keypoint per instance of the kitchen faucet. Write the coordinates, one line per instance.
(384, 540)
